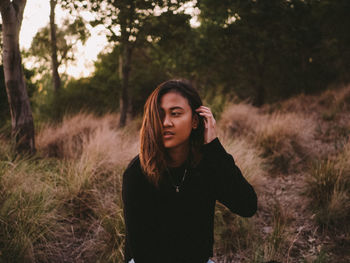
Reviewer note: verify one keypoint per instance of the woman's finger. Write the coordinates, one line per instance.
(207, 115)
(205, 123)
(206, 110)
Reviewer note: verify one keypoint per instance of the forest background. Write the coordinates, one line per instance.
(282, 63)
(262, 50)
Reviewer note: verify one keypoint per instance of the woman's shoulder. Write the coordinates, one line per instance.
(134, 163)
(133, 172)
(133, 168)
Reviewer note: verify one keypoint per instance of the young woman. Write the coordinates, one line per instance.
(170, 188)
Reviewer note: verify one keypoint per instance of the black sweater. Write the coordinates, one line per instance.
(169, 227)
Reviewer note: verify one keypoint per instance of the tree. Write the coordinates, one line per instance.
(0, 37)
(53, 41)
(66, 38)
(270, 50)
(21, 114)
(134, 21)
(243, 41)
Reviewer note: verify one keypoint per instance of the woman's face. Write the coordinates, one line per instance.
(177, 120)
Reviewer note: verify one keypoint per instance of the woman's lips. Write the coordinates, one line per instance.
(168, 135)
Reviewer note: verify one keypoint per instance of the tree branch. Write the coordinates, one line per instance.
(110, 29)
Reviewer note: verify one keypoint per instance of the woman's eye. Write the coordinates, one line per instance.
(175, 113)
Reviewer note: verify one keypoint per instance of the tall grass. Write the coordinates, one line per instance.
(94, 158)
(273, 246)
(283, 138)
(234, 234)
(28, 211)
(64, 204)
(332, 100)
(67, 209)
(240, 120)
(87, 136)
(328, 187)
(248, 158)
(240, 239)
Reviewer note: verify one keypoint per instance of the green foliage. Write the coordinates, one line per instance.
(133, 18)
(101, 92)
(216, 100)
(268, 50)
(67, 35)
(172, 42)
(261, 50)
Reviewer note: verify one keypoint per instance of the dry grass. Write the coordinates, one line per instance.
(274, 245)
(67, 209)
(90, 139)
(288, 136)
(234, 234)
(65, 205)
(28, 214)
(329, 100)
(240, 120)
(248, 159)
(328, 186)
(282, 138)
(92, 181)
(241, 239)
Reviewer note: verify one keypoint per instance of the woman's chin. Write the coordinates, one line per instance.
(171, 144)
(168, 145)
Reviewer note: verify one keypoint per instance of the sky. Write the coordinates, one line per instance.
(36, 16)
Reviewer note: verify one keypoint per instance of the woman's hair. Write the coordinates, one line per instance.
(153, 154)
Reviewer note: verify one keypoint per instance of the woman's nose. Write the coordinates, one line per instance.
(167, 121)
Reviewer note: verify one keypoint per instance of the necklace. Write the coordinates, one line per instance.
(177, 187)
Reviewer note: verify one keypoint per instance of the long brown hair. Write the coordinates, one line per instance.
(153, 155)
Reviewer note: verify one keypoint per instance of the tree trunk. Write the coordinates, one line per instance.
(55, 76)
(260, 92)
(21, 114)
(260, 95)
(126, 14)
(124, 71)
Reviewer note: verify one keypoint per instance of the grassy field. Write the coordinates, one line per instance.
(64, 204)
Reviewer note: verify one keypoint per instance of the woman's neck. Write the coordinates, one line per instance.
(178, 155)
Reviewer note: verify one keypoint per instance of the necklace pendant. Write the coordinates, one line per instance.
(177, 189)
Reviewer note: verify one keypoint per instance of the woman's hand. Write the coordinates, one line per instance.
(209, 122)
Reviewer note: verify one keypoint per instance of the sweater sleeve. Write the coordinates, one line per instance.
(140, 223)
(230, 187)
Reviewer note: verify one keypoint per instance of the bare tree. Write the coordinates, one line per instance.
(54, 61)
(21, 114)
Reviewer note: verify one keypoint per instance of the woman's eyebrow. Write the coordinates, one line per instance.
(173, 108)
(176, 108)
